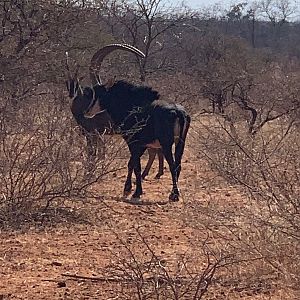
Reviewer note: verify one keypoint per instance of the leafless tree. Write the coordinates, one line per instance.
(143, 23)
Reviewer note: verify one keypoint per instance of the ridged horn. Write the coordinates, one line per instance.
(99, 56)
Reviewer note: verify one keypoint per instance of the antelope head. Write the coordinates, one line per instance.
(84, 98)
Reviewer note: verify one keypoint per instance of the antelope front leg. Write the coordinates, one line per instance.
(91, 152)
(128, 184)
(137, 171)
(101, 146)
(91, 142)
(135, 163)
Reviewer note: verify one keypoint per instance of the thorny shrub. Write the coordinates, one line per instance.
(145, 274)
(265, 167)
(43, 162)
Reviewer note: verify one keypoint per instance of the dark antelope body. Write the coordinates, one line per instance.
(101, 123)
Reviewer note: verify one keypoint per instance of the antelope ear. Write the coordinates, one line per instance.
(109, 84)
(68, 85)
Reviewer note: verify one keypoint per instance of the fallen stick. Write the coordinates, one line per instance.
(74, 276)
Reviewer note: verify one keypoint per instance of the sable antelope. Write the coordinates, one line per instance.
(143, 121)
(99, 124)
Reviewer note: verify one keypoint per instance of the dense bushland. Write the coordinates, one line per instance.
(237, 71)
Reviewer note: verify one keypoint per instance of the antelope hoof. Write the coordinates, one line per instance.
(174, 197)
(136, 195)
(144, 175)
(158, 175)
(126, 193)
(127, 189)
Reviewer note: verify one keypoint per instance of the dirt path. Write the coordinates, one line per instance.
(33, 263)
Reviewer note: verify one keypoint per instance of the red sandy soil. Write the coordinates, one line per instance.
(34, 262)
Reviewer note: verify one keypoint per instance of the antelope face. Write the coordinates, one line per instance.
(83, 101)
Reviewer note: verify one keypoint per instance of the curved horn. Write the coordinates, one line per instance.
(99, 56)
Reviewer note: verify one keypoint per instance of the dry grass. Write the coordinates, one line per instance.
(225, 239)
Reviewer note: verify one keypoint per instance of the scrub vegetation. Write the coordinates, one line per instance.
(66, 230)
